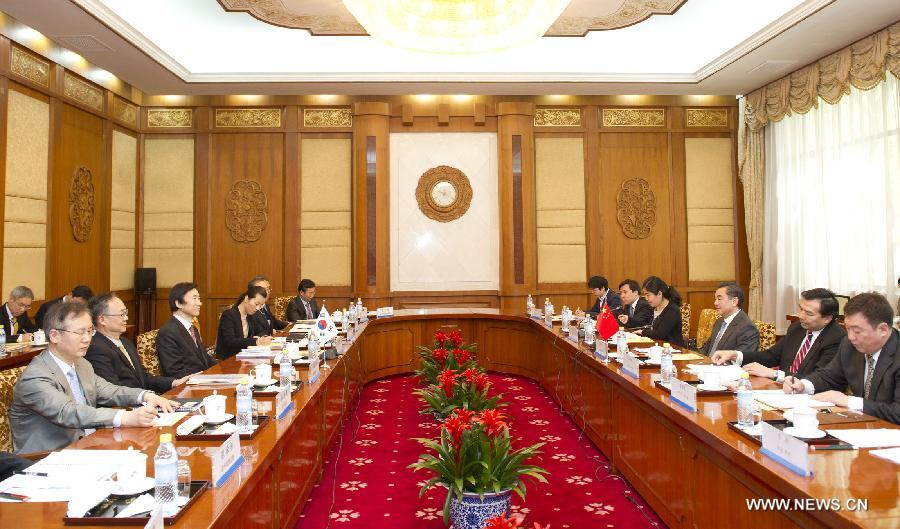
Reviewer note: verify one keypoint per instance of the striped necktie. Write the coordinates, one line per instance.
(719, 337)
(870, 373)
(801, 354)
(14, 325)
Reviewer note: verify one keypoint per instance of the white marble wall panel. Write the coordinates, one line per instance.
(427, 255)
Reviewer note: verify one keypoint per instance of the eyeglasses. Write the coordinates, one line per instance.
(123, 314)
(90, 331)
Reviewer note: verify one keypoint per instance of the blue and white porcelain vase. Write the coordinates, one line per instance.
(474, 511)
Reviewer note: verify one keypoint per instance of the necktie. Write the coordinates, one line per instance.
(801, 354)
(870, 372)
(309, 314)
(631, 311)
(126, 355)
(78, 394)
(718, 337)
(14, 325)
(196, 339)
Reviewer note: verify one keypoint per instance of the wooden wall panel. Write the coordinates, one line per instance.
(79, 142)
(258, 158)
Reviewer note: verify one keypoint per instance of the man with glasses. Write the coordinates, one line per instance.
(59, 399)
(113, 356)
(16, 323)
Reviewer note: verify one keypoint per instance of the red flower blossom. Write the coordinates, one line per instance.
(440, 337)
(464, 414)
(440, 355)
(482, 381)
(447, 378)
(456, 338)
(505, 522)
(461, 355)
(493, 422)
(455, 427)
(470, 375)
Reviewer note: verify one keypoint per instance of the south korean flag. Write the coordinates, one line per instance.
(325, 330)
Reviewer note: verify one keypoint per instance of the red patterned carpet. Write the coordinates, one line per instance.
(373, 487)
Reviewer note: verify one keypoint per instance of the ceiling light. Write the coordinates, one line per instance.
(456, 26)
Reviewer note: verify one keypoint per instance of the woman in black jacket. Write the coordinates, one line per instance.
(237, 329)
(666, 304)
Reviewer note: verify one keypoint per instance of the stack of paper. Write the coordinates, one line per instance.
(891, 454)
(214, 380)
(726, 373)
(869, 438)
(632, 338)
(785, 401)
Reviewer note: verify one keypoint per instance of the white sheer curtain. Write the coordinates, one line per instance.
(832, 200)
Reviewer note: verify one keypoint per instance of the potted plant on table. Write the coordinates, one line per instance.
(475, 461)
(448, 351)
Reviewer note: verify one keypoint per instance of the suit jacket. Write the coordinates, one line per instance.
(42, 311)
(296, 311)
(179, 355)
(667, 326)
(266, 322)
(110, 365)
(848, 370)
(613, 301)
(44, 414)
(740, 335)
(643, 314)
(230, 339)
(25, 325)
(782, 354)
(10, 464)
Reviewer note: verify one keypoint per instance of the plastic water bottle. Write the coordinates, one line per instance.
(565, 319)
(621, 342)
(529, 306)
(548, 313)
(665, 363)
(359, 310)
(244, 405)
(285, 371)
(313, 346)
(345, 321)
(2, 341)
(744, 401)
(165, 469)
(589, 330)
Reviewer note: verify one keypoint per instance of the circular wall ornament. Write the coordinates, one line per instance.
(245, 211)
(444, 193)
(81, 203)
(636, 208)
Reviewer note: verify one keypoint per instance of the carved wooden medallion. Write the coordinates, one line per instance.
(81, 203)
(246, 212)
(636, 208)
(444, 193)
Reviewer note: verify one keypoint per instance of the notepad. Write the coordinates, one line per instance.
(869, 438)
(786, 401)
(891, 454)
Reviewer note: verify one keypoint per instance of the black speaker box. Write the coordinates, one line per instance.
(145, 280)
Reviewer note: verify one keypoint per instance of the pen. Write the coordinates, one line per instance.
(26, 473)
(833, 447)
(11, 496)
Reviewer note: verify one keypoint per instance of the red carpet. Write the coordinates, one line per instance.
(375, 489)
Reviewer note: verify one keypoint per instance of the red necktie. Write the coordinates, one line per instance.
(807, 343)
(194, 336)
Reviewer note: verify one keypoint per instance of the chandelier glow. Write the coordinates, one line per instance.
(456, 26)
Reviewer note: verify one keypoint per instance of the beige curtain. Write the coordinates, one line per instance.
(861, 65)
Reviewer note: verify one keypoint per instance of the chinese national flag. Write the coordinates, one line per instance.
(606, 323)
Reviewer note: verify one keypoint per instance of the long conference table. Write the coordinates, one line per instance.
(692, 469)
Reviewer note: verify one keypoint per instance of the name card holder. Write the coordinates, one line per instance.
(630, 365)
(226, 459)
(573, 333)
(683, 394)
(283, 402)
(601, 349)
(384, 312)
(785, 449)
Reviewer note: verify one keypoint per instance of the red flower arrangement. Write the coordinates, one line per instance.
(448, 352)
(447, 378)
(512, 522)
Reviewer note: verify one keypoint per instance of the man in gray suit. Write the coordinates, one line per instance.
(55, 400)
(734, 330)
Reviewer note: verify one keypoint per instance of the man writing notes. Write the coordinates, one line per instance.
(303, 307)
(113, 356)
(810, 343)
(635, 311)
(178, 344)
(79, 294)
(734, 330)
(867, 363)
(600, 288)
(266, 322)
(16, 323)
(55, 402)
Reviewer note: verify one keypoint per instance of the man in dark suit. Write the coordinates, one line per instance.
(635, 311)
(867, 363)
(266, 322)
(16, 323)
(810, 343)
(79, 294)
(734, 330)
(113, 356)
(59, 399)
(600, 288)
(304, 307)
(178, 345)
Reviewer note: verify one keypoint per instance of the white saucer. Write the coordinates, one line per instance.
(225, 418)
(135, 486)
(815, 434)
(265, 383)
(39, 344)
(705, 387)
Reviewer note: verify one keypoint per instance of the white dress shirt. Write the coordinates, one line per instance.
(853, 402)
